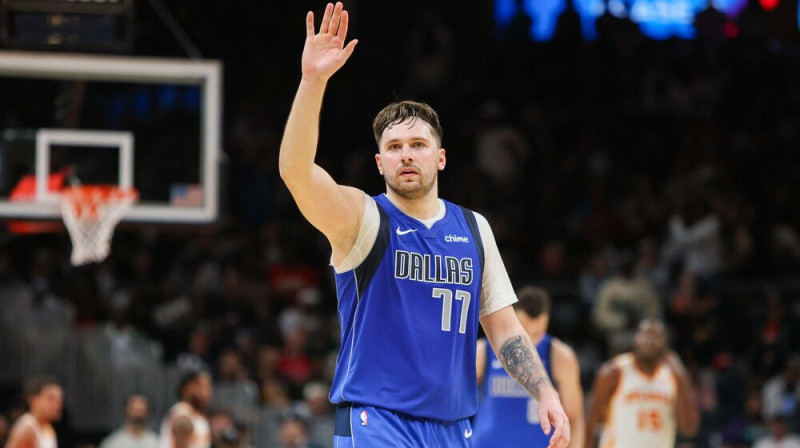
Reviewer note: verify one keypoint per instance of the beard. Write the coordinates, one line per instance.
(138, 421)
(196, 402)
(408, 190)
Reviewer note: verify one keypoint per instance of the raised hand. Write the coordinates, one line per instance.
(324, 52)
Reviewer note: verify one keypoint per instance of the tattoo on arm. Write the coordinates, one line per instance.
(524, 365)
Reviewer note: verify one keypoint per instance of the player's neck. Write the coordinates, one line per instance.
(40, 418)
(425, 207)
(647, 366)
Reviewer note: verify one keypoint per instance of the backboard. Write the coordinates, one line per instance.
(151, 124)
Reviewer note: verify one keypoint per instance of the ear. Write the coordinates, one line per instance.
(442, 159)
(378, 163)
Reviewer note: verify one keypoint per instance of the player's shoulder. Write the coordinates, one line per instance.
(180, 409)
(562, 352)
(613, 367)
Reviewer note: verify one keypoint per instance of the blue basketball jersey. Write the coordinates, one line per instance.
(409, 317)
(508, 415)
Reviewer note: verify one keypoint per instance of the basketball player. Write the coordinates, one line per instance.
(185, 425)
(507, 415)
(34, 429)
(642, 398)
(415, 275)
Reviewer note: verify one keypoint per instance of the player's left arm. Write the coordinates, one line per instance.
(512, 344)
(567, 375)
(515, 349)
(686, 411)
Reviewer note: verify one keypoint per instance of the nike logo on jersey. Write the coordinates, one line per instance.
(467, 433)
(403, 232)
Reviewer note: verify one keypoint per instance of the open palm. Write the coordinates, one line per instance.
(325, 52)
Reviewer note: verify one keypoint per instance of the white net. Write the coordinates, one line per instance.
(91, 213)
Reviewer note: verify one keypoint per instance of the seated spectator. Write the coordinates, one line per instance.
(781, 393)
(294, 434)
(234, 389)
(134, 433)
(622, 302)
(779, 436)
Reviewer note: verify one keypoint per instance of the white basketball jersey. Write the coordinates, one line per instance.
(641, 411)
(201, 431)
(45, 436)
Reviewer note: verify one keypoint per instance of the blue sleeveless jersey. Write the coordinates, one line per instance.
(409, 317)
(508, 415)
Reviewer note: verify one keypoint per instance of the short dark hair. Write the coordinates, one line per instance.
(37, 384)
(401, 111)
(533, 301)
(189, 378)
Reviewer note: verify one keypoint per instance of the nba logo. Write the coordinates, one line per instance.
(363, 418)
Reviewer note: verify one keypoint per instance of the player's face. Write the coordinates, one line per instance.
(650, 342)
(200, 392)
(410, 158)
(49, 403)
(534, 326)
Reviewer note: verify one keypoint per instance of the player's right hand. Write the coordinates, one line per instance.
(324, 52)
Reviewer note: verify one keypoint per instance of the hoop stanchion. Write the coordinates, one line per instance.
(90, 213)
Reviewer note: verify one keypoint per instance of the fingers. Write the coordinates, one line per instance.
(309, 24)
(561, 434)
(559, 425)
(544, 418)
(557, 440)
(348, 50)
(343, 25)
(326, 18)
(334, 25)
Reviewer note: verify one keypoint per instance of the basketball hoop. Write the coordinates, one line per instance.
(91, 212)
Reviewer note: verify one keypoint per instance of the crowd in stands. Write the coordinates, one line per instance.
(630, 177)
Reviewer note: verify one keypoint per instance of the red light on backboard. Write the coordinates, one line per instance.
(769, 5)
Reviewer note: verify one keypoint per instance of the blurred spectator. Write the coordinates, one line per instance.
(622, 302)
(743, 430)
(693, 314)
(196, 357)
(134, 433)
(293, 362)
(779, 435)
(234, 389)
(695, 239)
(500, 149)
(318, 413)
(219, 421)
(592, 277)
(772, 343)
(294, 434)
(276, 404)
(781, 393)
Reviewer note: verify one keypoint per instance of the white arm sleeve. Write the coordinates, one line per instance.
(367, 233)
(497, 291)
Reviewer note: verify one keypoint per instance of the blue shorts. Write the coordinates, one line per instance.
(360, 426)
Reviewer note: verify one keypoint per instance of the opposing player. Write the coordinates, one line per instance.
(34, 429)
(508, 416)
(415, 275)
(186, 425)
(642, 398)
